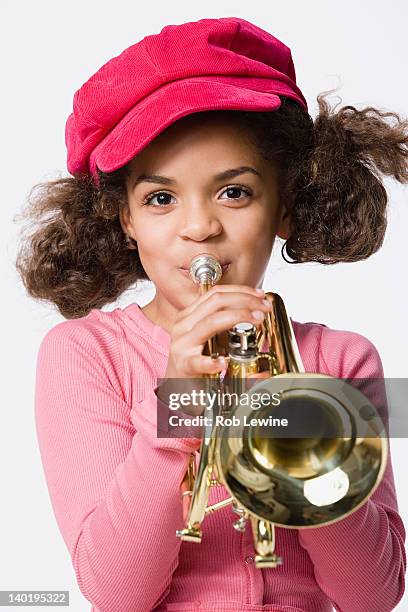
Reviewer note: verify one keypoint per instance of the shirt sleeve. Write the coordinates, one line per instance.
(360, 562)
(115, 491)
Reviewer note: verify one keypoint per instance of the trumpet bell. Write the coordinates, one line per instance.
(327, 463)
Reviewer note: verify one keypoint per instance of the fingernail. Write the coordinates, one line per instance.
(260, 291)
(257, 314)
(267, 303)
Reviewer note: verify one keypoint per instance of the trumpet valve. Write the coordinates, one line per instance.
(242, 340)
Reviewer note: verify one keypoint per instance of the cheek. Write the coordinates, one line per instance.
(154, 239)
(149, 233)
(256, 231)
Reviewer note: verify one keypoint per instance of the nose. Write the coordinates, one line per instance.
(199, 221)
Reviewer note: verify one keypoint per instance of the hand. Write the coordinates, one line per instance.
(220, 308)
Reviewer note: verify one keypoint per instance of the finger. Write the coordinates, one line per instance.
(219, 302)
(224, 289)
(204, 364)
(218, 322)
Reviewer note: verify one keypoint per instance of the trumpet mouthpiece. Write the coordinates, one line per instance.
(205, 269)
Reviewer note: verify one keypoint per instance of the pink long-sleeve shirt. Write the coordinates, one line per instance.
(115, 486)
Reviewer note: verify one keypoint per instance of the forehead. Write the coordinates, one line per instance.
(210, 134)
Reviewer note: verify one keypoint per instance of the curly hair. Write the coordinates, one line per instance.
(77, 256)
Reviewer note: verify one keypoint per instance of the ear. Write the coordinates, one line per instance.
(284, 229)
(126, 220)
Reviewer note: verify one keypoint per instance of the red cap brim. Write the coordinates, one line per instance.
(176, 100)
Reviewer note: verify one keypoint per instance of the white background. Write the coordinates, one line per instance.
(48, 49)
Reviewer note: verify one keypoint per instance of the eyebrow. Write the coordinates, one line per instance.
(226, 174)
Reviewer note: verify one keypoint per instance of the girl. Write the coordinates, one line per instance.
(194, 140)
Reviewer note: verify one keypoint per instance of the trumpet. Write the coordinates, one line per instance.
(292, 481)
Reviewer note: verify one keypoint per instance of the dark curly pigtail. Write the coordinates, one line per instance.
(78, 256)
(337, 198)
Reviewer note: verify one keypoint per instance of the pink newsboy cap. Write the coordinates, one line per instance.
(210, 64)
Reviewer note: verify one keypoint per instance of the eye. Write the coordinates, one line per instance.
(232, 191)
(162, 196)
